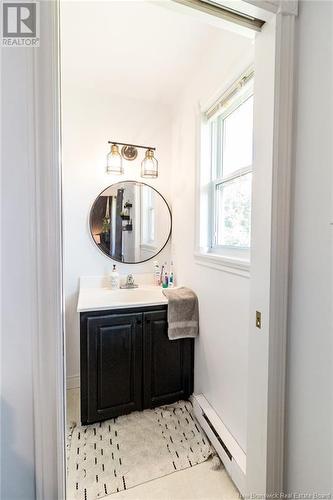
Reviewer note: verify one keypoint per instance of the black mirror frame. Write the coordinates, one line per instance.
(90, 223)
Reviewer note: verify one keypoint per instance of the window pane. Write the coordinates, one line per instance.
(233, 204)
(148, 215)
(237, 138)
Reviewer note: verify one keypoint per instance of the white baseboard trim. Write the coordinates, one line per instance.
(229, 451)
(73, 382)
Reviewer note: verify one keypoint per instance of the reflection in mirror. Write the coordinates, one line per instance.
(130, 222)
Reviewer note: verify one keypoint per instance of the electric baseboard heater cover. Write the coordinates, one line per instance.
(218, 437)
(230, 452)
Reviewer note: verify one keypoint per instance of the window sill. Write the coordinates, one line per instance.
(238, 266)
(148, 247)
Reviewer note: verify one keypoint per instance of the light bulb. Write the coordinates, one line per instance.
(114, 163)
(149, 166)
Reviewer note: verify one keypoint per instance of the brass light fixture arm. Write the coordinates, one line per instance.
(132, 145)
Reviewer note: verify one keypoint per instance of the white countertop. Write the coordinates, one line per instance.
(97, 296)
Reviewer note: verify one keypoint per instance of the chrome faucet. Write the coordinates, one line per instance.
(129, 282)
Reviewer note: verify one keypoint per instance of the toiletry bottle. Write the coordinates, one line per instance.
(171, 276)
(114, 278)
(165, 279)
(157, 273)
(166, 274)
(160, 282)
(165, 283)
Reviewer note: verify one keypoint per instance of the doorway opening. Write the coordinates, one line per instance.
(167, 111)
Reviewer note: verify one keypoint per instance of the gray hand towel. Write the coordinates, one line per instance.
(183, 313)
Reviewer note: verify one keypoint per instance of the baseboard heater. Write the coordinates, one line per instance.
(214, 431)
(231, 454)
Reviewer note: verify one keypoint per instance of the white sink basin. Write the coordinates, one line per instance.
(135, 294)
(97, 299)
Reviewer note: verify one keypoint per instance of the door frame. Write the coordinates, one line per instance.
(49, 394)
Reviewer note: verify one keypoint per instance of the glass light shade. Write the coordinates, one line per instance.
(149, 166)
(114, 164)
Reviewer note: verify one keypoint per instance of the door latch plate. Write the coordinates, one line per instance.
(258, 319)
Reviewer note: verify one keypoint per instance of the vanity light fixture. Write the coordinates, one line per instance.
(149, 165)
(114, 162)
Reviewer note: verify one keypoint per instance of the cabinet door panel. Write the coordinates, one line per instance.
(114, 362)
(168, 364)
(166, 359)
(111, 366)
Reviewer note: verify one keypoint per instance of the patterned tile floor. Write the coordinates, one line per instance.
(196, 483)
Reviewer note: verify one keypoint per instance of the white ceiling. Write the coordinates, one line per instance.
(138, 48)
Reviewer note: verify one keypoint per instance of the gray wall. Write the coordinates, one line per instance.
(309, 401)
(17, 281)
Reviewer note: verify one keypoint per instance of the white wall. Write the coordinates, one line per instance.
(221, 350)
(92, 116)
(309, 450)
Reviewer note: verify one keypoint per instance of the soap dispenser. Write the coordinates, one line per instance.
(114, 278)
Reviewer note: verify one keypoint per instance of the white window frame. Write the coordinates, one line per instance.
(234, 259)
(148, 226)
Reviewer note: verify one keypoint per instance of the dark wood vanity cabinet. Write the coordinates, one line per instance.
(128, 362)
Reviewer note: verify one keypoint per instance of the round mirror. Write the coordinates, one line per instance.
(130, 222)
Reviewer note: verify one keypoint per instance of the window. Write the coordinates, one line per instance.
(148, 216)
(228, 158)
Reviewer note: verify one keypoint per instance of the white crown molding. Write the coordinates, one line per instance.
(285, 7)
(288, 7)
